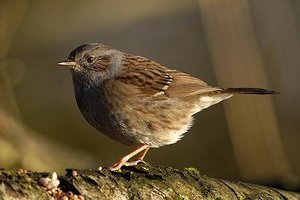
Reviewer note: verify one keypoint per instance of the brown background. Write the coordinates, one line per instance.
(227, 43)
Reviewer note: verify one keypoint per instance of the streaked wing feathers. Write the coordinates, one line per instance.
(154, 80)
(185, 85)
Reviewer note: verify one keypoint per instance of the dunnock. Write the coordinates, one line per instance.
(137, 101)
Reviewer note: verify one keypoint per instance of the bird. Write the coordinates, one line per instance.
(137, 101)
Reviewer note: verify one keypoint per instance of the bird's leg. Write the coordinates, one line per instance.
(143, 153)
(143, 149)
(139, 159)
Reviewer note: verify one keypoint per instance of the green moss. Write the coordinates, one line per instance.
(192, 170)
(183, 197)
(22, 185)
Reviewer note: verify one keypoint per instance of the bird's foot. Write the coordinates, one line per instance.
(133, 163)
(119, 164)
(142, 149)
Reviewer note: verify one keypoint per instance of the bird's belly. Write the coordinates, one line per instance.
(156, 123)
(100, 115)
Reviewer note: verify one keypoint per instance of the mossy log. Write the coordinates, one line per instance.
(141, 182)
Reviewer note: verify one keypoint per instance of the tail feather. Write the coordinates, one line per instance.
(259, 91)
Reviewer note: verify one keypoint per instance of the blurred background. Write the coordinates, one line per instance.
(232, 43)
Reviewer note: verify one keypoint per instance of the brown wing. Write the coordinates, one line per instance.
(186, 85)
(154, 80)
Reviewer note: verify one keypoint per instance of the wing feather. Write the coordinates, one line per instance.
(154, 80)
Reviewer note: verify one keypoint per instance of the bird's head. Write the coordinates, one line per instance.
(93, 62)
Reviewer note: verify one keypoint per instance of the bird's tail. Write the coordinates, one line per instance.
(259, 91)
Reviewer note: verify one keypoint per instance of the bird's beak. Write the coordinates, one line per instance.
(67, 63)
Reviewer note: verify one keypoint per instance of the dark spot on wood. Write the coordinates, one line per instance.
(90, 180)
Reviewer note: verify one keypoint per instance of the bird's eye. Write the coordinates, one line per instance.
(91, 59)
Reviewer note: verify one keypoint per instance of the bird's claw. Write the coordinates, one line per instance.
(119, 164)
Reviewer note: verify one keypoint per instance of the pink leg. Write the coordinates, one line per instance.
(143, 153)
(138, 160)
(124, 161)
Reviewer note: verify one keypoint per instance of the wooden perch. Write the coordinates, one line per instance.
(141, 182)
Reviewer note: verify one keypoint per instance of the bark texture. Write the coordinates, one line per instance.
(141, 182)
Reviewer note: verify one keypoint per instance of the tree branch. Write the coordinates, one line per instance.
(141, 182)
